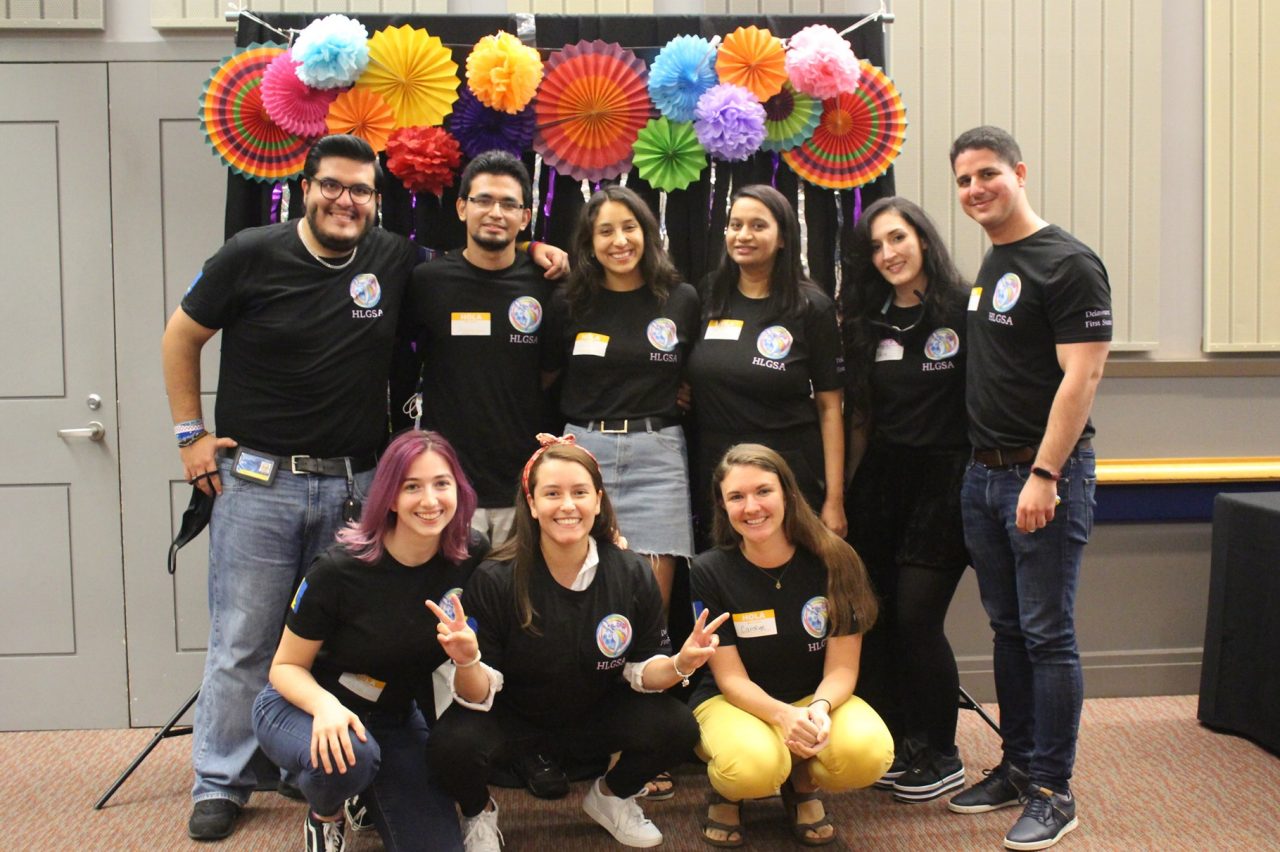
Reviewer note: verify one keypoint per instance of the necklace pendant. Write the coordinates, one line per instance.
(778, 584)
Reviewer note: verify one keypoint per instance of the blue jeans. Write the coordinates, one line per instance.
(262, 539)
(1028, 585)
(390, 769)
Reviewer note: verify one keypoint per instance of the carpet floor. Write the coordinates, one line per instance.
(1148, 776)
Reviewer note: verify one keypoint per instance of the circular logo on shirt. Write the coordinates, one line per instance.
(525, 314)
(446, 601)
(943, 343)
(814, 617)
(774, 342)
(1007, 291)
(365, 290)
(662, 334)
(613, 635)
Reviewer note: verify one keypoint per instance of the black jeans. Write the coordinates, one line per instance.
(653, 731)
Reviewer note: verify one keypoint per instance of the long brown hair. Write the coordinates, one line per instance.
(849, 592)
(524, 545)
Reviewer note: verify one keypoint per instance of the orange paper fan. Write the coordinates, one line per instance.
(753, 59)
(363, 113)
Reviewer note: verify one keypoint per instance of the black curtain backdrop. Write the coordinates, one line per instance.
(694, 220)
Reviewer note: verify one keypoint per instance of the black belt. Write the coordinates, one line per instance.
(336, 466)
(999, 457)
(636, 424)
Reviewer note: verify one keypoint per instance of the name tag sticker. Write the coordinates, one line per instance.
(469, 324)
(366, 687)
(723, 329)
(889, 350)
(974, 295)
(752, 624)
(253, 467)
(590, 343)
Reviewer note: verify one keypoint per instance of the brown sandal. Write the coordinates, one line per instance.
(791, 800)
(660, 787)
(735, 836)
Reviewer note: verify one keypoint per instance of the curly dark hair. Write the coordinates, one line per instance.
(864, 292)
(587, 276)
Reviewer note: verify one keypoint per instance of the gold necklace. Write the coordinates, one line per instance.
(777, 581)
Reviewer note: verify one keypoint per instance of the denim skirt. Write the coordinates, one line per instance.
(646, 475)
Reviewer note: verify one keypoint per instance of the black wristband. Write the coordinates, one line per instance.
(1043, 473)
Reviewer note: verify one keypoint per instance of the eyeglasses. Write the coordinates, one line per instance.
(486, 202)
(333, 189)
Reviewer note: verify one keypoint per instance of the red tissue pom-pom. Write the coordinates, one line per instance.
(424, 158)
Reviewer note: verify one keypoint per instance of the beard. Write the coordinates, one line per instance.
(492, 243)
(343, 245)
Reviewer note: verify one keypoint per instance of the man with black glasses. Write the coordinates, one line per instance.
(484, 339)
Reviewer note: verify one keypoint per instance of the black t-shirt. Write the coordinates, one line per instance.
(556, 679)
(375, 625)
(780, 634)
(305, 349)
(625, 356)
(1030, 295)
(486, 337)
(755, 372)
(917, 400)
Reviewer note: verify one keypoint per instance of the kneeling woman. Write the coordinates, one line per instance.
(779, 711)
(569, 628)
(355, 661)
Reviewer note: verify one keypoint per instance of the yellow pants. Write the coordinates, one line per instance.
(747, 758)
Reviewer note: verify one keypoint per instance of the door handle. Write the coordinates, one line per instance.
(95, 431)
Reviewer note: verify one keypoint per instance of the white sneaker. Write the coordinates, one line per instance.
(621, 817)
(480, 833)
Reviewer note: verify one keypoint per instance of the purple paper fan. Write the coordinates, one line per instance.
(479, 128)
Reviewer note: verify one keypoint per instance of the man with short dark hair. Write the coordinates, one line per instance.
(1039, 332)
(485, 345)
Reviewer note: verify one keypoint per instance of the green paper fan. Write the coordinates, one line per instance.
(790, 117)
(668, 154)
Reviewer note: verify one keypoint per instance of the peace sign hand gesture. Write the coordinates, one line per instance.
(455, 635)
(701, 644)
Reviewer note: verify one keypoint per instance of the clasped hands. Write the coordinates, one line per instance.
(805, 730)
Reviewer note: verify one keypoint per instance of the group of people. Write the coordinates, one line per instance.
(522, 544)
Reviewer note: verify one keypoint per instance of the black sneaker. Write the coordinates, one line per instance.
(212, 819)
(1002, 788)
(903, 754)
(1046, 817)
(929, 776)
(357, 814)
(542, 775)
(320, 836)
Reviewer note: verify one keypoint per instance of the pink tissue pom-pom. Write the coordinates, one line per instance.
(821, 63)
(291, 103)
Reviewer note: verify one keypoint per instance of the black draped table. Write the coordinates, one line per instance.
(1240, 675)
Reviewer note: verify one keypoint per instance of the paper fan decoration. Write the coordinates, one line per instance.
(363, 113)
(424, 158)
(681, 72)
(668, 154)
(293, 104)
(331, 52)
(821, 63)
(503, 72)
(236, 124)
(789, 119)
(859, 137)
(414, 73)
(730, 122)
(478, 128)
(753, 59)
(590, 108)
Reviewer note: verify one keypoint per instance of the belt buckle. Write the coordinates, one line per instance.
(293, 464)
(622, 431)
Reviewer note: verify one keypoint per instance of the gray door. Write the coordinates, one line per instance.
(62, 656)
(168, 195)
